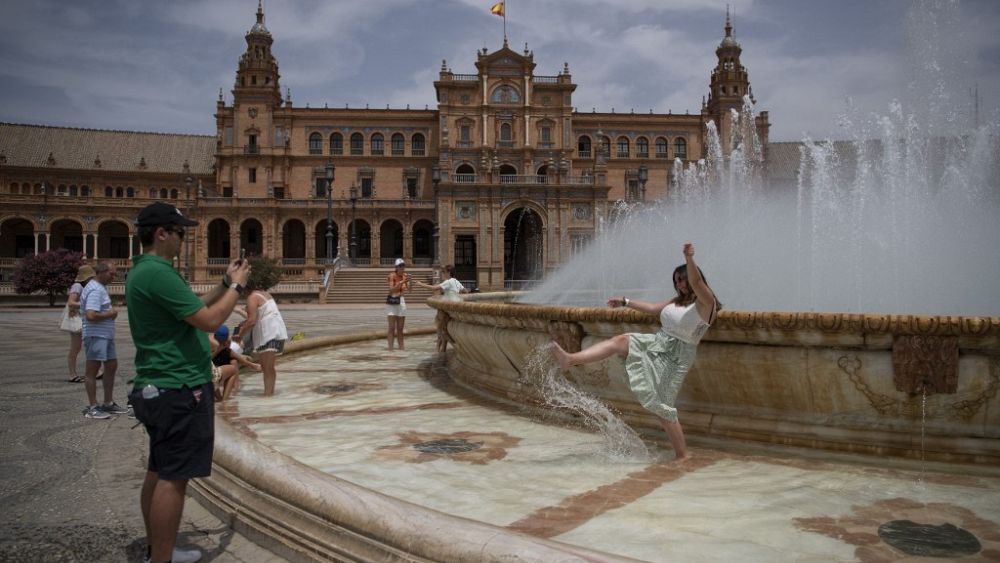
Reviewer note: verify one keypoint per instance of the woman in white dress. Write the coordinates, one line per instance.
(656, 364)
(267, 326)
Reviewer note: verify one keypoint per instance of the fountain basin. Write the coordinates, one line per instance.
(842, 382)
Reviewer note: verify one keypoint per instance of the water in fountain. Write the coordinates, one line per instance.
(620, 441)
(900, 218)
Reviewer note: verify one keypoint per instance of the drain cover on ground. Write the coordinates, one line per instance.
(928, 540)
(335, 389)
(447, 446)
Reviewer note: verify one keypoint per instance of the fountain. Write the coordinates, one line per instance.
(850, 298)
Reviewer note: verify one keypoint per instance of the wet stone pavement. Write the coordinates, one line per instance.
(69, 486)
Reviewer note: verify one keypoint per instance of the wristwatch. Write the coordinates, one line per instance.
(237, 287)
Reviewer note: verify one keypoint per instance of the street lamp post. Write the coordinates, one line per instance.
(354, 241)
(187, 242)
(436, 179)
(330, 168)
(643, 176)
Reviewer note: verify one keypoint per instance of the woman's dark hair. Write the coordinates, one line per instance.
(690, 298)
(447, 269)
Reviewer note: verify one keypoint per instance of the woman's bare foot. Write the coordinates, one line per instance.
(559, 355)
(682, 458)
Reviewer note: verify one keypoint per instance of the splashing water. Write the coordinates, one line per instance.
(621, 443)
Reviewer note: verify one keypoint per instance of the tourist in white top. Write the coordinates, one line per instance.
(655, 364)
(449, 288)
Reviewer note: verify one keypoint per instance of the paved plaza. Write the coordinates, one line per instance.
(69, 486)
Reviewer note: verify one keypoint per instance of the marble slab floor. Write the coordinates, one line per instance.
(394, 423)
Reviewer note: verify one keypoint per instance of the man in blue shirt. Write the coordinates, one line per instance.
(99, 341)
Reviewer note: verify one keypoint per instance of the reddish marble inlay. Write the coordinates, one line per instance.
(579, 509)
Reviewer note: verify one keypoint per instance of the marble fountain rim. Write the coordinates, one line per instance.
(498, 304)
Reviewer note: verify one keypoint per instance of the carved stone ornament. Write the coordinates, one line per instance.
(252, 112)
(925, 363)
(581, 212)
(465, 211)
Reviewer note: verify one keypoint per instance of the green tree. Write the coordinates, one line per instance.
(265, 273)
(51, 272)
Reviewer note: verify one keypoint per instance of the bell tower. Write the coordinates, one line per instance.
(729, 83)
(257, 75)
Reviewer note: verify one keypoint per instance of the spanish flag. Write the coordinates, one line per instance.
(497, 9)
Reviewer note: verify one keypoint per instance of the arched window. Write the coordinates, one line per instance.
(173, 193)
(130, 191)
(357, 144)
(336, 143)
(119, 192)
(398, 144)
(315, 143)
(85, 191)
(73, 190)
(14, 187)
(583, 147)
(109, 191)
(378, 144)
(661, 147)
(61, 190)
(622, 147)
(152, 193)
(680, 148)
(163, 193)
(417, 144)
(505, 94)
(642, 147)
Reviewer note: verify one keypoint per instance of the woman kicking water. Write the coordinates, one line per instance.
(656, 364)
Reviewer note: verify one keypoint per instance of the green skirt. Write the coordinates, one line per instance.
(655, 367)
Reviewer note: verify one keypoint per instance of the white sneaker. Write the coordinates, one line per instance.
(94, 412)
(181, 556)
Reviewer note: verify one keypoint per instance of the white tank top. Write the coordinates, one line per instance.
(683, 323)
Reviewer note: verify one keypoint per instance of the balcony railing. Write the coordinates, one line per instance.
(464, 178)
(465, 144)
(661, 155)
(545, 79)
(417, 152)
(251, 149)
(622, 154)
(505, 144)
(465, 77)
(583, 154)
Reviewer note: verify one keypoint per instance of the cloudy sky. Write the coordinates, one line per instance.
(158, 66)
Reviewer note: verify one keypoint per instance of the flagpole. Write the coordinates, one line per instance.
(505, 22)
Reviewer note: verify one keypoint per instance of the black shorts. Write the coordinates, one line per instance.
(181, 428)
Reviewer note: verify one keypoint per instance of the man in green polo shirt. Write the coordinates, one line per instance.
(173, 395)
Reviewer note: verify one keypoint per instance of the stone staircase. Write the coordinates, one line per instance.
(367, 285)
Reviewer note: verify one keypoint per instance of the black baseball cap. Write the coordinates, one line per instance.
(160, 213)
